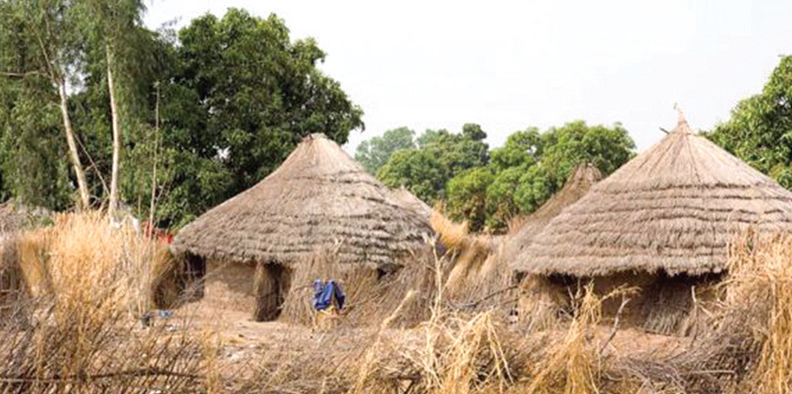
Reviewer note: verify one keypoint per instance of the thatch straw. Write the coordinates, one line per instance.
(673, 208)
(522, 230)
(476, 281)
(410, 201)
(319, 197)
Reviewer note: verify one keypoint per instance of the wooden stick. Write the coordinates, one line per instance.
(615, 325)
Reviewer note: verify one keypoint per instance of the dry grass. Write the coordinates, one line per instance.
(479, 280)
(371, 296)
(746, 348)
(574, 365)
(87, 284)
(757, 315)
(83, 260)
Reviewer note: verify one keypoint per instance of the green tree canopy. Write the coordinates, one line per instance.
(214, 108)
(39, 51)
(530, 167)
(260, 91)
(440, 156)
(760, 128)
(374, 153)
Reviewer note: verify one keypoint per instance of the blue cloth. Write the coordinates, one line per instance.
(325, 293)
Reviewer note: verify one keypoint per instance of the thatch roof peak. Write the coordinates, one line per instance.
(681, 118)
(318, 198)
(674, 208)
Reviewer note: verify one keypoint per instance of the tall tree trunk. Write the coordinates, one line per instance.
(156, 157)
(116, 138)
(82, 184)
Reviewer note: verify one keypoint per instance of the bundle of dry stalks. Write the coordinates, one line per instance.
(83, 260)
(88, 284)
(13, 289)
(751, 335)
(448, 353)
(573, 366)
(541, 303)
(479, 280)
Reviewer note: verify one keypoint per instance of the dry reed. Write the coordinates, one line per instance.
(89, 341)
(479, 279)
(89, 284)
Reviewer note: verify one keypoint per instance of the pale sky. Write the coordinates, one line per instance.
(508, 65)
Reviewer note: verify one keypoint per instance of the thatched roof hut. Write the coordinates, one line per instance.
(583, 177)
(318, 198)
(671, 210)
(410, 201)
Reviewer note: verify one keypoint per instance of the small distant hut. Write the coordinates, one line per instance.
(484, 263)
(662, 223)
(583, 177)
(318, 200)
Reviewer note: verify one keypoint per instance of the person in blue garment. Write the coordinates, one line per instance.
(328, 300)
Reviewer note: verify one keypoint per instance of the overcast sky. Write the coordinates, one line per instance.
(509, 65)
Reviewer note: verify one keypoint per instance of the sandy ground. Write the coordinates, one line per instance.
(246, 348)
(235, 329)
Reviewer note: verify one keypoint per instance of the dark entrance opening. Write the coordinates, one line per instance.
(192, 278)
(271, 285)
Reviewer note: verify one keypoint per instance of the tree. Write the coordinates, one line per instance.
(441, 155)
(32, 146)
(522, 151)
(760, 128)
(529, 168)
(467, 195)
(522, 147)
(374, 153)
(419, 170)
(261, 92)
(114, 37)
(38, 42)
(576, 143)
(234, 96)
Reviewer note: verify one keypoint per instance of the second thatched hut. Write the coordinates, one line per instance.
(663, 223)
(523, 230)
(318, 201)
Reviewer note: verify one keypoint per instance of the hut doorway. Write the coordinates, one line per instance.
(271, 285)
(659, 303)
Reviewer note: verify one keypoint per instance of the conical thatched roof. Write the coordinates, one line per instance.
(576, 186)
(410, 201)
(673, 208)
(318, 198)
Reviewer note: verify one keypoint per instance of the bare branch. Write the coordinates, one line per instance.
(615, 324)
